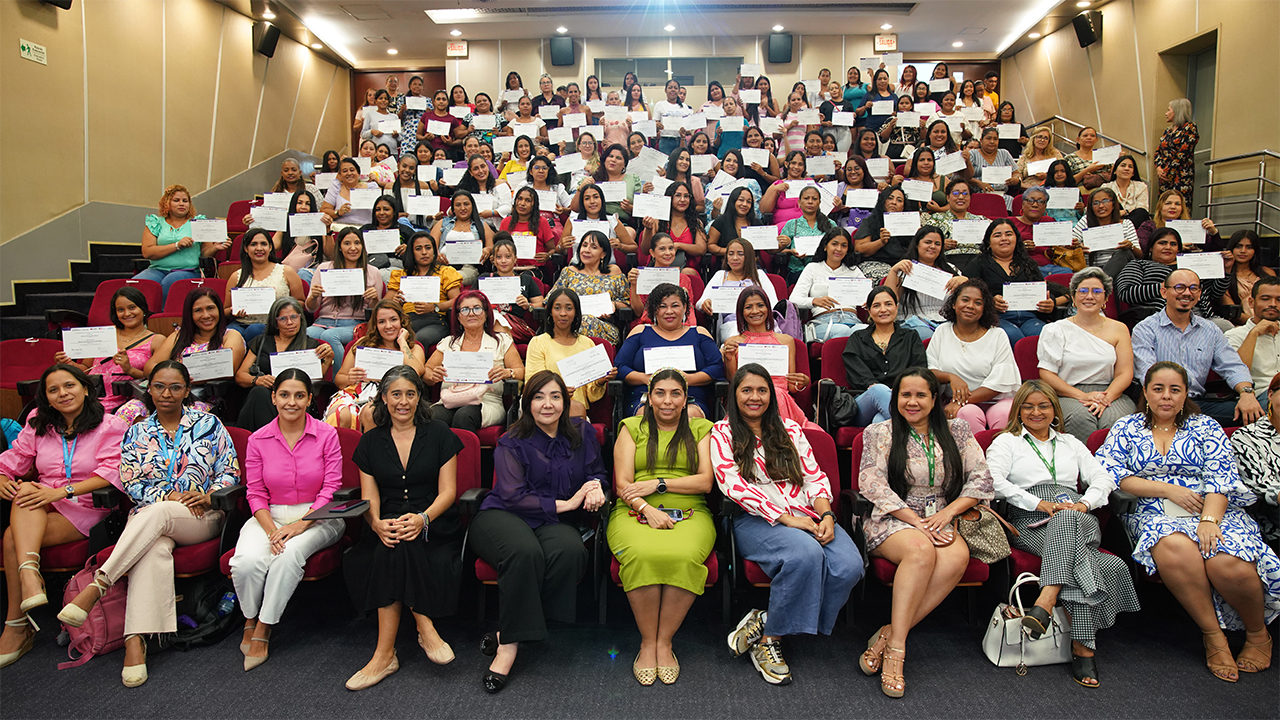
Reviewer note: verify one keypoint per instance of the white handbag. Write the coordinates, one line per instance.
(1007, 644)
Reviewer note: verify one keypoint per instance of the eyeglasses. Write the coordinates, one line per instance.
(1099, 201)
(1042, 407)
(288, 319)
(1034, 200)
(959, 193)
(163, 389)
(1180, 288)
(472, 310)
(1084, 292)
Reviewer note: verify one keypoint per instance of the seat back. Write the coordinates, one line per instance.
(26, 359)
(779, 286)
(856, 465)
(235, 216)
(100, 310)
(824, 451)
(240, 439)
(179, 291)
(988, 205)
(1017, 206)
(986, 437)
(1024, 353)
(601, 411)
(468, 461)
(1096, 438)
(833, 361)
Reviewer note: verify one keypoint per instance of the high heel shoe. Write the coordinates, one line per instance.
(893, 684)
(135, 675)
(39, 598)
(1221, 670)
(1255, 657)
(360, 681)
(442, 655)
(10, 658)
(253, 661)
(73, 614)
(244, 646)
(489, 644)
(872, 658)
(493, 682)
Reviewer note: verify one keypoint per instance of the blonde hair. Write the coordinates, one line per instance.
(1029, 150)
(168, 195)
(1158, 217)
(1029, 388)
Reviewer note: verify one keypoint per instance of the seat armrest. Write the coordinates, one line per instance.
(107, 497)
(226, 498)
(719, 403)
(347, 494)
(539, 315)
(853, 499)
(56, 317)
(729, 509)
(511, 387)
(27, 388)
(613, 388)
(140, 264)
(1121, 502)
(129, 388)
(471, 499)
(826, 391)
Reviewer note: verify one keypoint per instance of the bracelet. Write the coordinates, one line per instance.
(643, 504)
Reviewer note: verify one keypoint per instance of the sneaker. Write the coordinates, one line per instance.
(747, 633)
(767, 657)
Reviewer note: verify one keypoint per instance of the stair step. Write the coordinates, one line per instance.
(116, 263)
(77, 301)
(89, 281)
(17, 327)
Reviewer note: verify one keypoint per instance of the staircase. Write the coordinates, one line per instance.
(25, 317)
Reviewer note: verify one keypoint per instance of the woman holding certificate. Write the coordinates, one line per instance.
(792, 258)
(590, 207)
(479, 360)
(833, 259)
(390, 334)
(258, 270)
(594, 275)
(135, 342)
(561, 338)
(971, 354)
(338, 316)
(1002, 260)
(878, 250)
(286, 333)
(740, 271)
(74, 448)
(755, 326)
(426, 312)
(921, 310)
(463, 224)
(685, 226)
(875, 355)
(527, 220)
(668, 342)
(662, 254)
(337, 205)
(378, 126)
(168, 243)
(386, 217)
(1103, 210)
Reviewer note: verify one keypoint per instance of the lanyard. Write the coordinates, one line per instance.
(1052, 463)
(170, 453)
(928, 451)
(67, 454)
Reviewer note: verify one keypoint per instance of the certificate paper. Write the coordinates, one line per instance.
(419, 288)
(571, 163)
(702, 164)
(919, 190)
(504, 143)
(342, 283)
(597, 304)
(452, 176)
(94, 342)
(749, 97)
(547, 200)
(1107, 155)
(1025, 295)
(1039, 166)
(209, 231)
(1009, 131)
(415, 103)
(438, 127)
(761, 237)
(756, 156)
(271, 218)
(928, 280)
(724, 298)
(882, 107)
(997, 175)
(647, 205)
(1051, 233)
(775, 359)
(811, 116)
(512, 96)
(1207, 265)
(849, 291)
(468, 367)
(821, 165)
(1191, 232)
(1063, 198)
(806, 246)
(651, 277)
(500, 290)
(734, 123)
(560, 134)
(549, 112)
(674, 356)
(1103, 237)
(364, 198)
(584, 367)
(939, 85)
(376, 362)
(209, 365)
(949, 163)
(463, 252)
(969, 232)
(307, 225)
(381, 241)
(422, 204)
(253, 300)
(526, 246)
(861, 197)
(902, 223)
(770, 125)
(484, 122)
(843, 119)
(305, 360)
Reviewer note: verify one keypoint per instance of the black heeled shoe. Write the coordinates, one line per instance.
(489, 644)
(493, 682)
(1037, 621)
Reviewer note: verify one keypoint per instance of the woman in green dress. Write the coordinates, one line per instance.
(662, 464)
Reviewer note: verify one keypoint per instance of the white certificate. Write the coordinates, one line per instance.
(427, 173)
(571, 163)
(547, 200)
(93, 342)
(526, 245)
(843, 119)
(483, 201)
(1009, 131)
(376, 362)
(615, 113)
(512, 96)
(928, 280)
(1063, 198)
(422, 204)
(573, 120)
(972, 114)
(921, 190)
(209, 231)
(271, 218)
(529, 130)
(795, 187)
(811, 116)
(484, 122)
(651, 277)
(969, 232)
(615, 191)
(756, 156)
(1107, 155)
(724, 298)
(807, 245)
(638, 116)
(452, 176)
(761, 237)
(307, 225)
(722, 178)
(879, 167)
(648, 128)
(597, 304)
(1103, 237)
(849, 291)
(645, 205)
(1039, 166)
(324, 181)
(500, 290)
(908, 118)
(504, 143)
(902, 223)
(750, 70)
(305, 360)
(927, 109)
(949, 163)
(582, 227)
(694, 122)
(939, 85)
(389, 126)
(468, 367)
(381, 241)
(420, 288)
(342, 283)
(253, 300)
(673, 356)
(660, 185)
(364, 198)
(584, 367)
(993, 175)
(770, 125)
(365, 164)
(861, 197)
(280, 200)
(460, 111)
(820, 165)
(702, 164)
(1191, 231)
(415, 103)
(749, 97)
(1025, 295)
(210, 365)
(882, 107)
(438, 127)
(463, 252)
(713, 112)
(894, 58)
(733, 123)
(1051, 233)
(775, 359)
(1207, 265)
(549, 112)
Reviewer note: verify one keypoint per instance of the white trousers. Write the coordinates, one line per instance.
(265, 582)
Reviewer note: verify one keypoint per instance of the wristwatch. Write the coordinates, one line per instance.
(71, 491)
(824, 515)
(662, 485)
(1246, 389)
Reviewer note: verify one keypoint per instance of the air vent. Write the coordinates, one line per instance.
(377, 40)
(365, 12)
(973, 31)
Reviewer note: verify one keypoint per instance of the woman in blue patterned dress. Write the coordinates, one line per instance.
(1189, 524)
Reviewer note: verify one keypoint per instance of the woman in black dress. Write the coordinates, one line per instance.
(408, 473)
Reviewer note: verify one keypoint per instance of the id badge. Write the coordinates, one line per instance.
(931, 507)
(1062, 498)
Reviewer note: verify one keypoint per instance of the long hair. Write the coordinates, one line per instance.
(477, 224)
(1158, 216)
(382, 416)
(1029, 388)
(1021, 259)
(246, 262)
(46, 418)
(1091, 219)
(455, 324)
(856, 148)
(549, 323)
(952, 479)
(340, 263)
(372, 338)
(749, 269)
(411, 262)
(299, 341)
(1189, 407)
(851, 258)
(469, 182)
(582, 202)
(287, 240)
(868, 182)
(781, 458)
(820, 220)
(535, 215)
(682, 438)
(135, 296)
(912, 169)
(1239, 236)
(601, 174)
(552, 177)
(1181, 111)
(526, 425)
(599, 240)
(187, 330)
(731, 207)
(692, 215)
(674, 174)
(990, 318)
(746, 294)
(1053, 170)
(1131, 161)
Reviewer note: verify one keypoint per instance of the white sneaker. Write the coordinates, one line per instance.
(767, 658)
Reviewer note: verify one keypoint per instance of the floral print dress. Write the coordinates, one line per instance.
(1176, 154)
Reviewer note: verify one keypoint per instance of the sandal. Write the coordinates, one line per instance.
(1222, 670)
(244, 646)
(871, 659)
(10, 658)
(1255, 657)
(74, 615)
(893, 684)
(1037, 622)
(1084, 668)
(40, 598)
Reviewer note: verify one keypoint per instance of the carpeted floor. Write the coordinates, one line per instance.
(1152, 665)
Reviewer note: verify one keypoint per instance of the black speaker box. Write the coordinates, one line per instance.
(780, 48)
(265, 36)
(1088, 26)
(64, 4)
(562, 51)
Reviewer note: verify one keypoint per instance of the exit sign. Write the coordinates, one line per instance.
(456, 48)
(886, 43)
(33, 52)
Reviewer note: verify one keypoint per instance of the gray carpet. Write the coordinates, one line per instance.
(1151, 664)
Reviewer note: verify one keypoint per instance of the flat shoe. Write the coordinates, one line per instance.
(360, 681)
(1082, 668)
(442, 655)
(250, 661)
(644, 676)
(493, 682)
(669, 675)
(489, 644)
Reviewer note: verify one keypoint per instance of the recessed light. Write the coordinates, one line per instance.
(455, 32)
(777, 28)
(957, 44)
(670, 28)
(392, 51)
(268, 15)
(562, 29)
(886, 26)
(1033, 35)
(1084, 3)
(317, 46)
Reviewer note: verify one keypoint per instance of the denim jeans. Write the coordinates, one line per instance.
(248, 331)
(873, 405)
(167, 278)
(833, 324)
(335, 331)
(924, 328)
(1047, 270)
(1019, 324)
(667, 144)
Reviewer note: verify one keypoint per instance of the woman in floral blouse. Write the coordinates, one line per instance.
(1175, 157)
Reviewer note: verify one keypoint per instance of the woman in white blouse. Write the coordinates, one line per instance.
(1088, 359)
(971, 354)
(740, 271)
(812, 291)
(1035, 466)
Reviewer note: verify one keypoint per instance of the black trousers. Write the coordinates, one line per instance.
(538, 571)
(466, 417)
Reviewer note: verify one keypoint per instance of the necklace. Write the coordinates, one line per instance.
(975, 338)
(1171, 429)
(882, 345)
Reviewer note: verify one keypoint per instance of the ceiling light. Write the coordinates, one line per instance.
(317, 46)
(1083, 3)
(777, 28)
(441, 17)
(562, 29)
(268, 15)
(670, 28)
(886, 26)
(392, 51)
(957, 44)
(1033, 35)
(455, 32)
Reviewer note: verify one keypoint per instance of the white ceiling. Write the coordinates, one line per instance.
(986, 27)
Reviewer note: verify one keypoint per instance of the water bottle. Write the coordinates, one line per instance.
(226, 604)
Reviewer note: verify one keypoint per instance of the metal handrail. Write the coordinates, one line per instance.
(1255, 153)
(1259, 202)
(1081, 126)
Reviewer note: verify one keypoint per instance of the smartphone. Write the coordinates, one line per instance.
(674, 513)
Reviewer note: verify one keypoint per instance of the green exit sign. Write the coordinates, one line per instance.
(33, 52)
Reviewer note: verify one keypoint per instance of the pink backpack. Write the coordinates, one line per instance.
(103, 631)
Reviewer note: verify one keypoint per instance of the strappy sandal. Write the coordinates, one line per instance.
(893, 684)
(10, 658)
(40, 598)
(871, 659)
(1255, 657)
(74, 615)
(244, 646)
(1221, 670)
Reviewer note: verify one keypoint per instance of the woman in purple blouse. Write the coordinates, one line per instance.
(547, 464)
(292, 466)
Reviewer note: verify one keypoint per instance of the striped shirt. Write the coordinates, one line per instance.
(1140, 281)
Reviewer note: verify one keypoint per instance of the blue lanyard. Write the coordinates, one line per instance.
(171, 453)
(67, 454)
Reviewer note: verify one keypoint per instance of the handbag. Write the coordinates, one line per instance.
(1068, 257)
(456, 396)
(983, 529)
(103, 631)
(1007, 644)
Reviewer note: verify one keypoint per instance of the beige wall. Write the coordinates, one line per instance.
(172, 90)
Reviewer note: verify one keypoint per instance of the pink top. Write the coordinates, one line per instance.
(788, 408)
(96, 453)
(331, 308)
(138, 356)
(785, 209)
(615, 132)
(768, 499)
(309, 472)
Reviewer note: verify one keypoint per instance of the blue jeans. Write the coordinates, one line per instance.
(667, 144)
(1019, 324)
(924, 328)
(809, 582)
(248, 331)
(337, 332)
(1047, 270)
(873, 405)
(167, 278)
(306, 274)
(833, 324)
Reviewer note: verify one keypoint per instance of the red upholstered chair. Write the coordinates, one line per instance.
(100, 309)
(22, 360)
(235, 216)
(1017, 206)
(832, 376)
(988, 205)
(1024, 354)
(167, 320)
